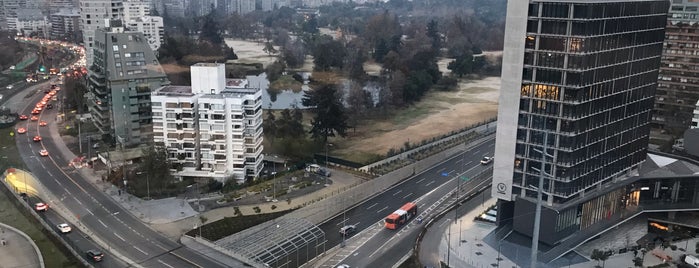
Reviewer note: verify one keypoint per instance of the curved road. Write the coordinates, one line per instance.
(117, 228)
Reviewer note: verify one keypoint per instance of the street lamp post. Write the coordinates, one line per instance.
(498, 259)
(80, 141)
(327, 166)
(344, 222)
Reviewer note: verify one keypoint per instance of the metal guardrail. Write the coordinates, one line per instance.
(51, 231)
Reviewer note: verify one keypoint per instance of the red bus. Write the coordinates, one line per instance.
(401, 216)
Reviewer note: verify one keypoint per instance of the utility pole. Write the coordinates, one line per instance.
(80, 140)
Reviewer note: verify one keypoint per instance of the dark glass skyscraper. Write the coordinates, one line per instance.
(580, 76)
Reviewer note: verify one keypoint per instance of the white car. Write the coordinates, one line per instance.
(41, 207)
(343, 266)
(487, 160)
(64, 228)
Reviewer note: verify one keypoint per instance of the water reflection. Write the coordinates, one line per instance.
(287, 99)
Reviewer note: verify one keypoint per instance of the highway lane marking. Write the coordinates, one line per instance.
(88, 211)
(372, 206)
(428, 184)
(105, 226)
(118, 236)
(397, 192)
(442, 223)
(408, 195)
(185, 259)
(457, 161)
(443, 169)
(145, 253)
(163, 263)
(420, 180)
(382, 209)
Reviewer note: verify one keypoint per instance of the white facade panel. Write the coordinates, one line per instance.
(512, 63)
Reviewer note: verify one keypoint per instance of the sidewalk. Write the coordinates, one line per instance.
(175, 216)
(17, 249)
(341, 181)
(469, 250)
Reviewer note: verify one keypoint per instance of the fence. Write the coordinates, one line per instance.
(484, 129)
(49, 231)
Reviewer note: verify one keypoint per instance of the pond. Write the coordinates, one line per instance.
(287, 99)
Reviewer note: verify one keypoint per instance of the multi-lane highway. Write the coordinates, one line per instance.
(111, 225)
(385, 247)
(424, 188)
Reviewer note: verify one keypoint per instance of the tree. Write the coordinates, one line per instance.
(210, 30)
(355, 63)
(328, 54)
(274, 70)
(599, 255)
(310, 25)
(433, 33)
(461, 65)
(330, 118)
(269, 48)
(75, 91)
(156, 165)
(270, 125)
(293, 54)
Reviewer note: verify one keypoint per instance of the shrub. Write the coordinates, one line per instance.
(273, 207)
(257, 209)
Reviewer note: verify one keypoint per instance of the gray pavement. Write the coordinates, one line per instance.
(472, 243)
(17, 249)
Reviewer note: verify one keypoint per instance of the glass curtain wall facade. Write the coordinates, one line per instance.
(588, 81)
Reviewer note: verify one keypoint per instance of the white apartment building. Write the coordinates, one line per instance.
(152, 28)
(30, 22)
(211, 130)
(95, 14)
(134, 9)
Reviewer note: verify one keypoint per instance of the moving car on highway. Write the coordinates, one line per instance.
(41, 206)
(487, 160)
(94, 254)
(64, 228)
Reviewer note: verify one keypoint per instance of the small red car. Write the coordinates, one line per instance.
(43, 152)
(23, 117)
(41, 207)
(34, 118)
(37, 138)
(21, 130)
(43, 123)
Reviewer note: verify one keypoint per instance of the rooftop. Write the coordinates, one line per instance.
(174, 90)
(207, 64)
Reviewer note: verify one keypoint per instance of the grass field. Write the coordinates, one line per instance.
(474, 101)
(10, 214)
